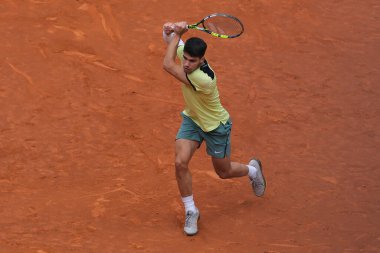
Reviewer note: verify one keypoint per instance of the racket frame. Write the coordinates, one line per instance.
(224, 36)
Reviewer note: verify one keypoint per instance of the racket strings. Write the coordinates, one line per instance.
(223, 25)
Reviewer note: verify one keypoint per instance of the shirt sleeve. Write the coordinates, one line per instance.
(180, 52)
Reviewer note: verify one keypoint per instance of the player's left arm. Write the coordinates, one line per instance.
(169, 60)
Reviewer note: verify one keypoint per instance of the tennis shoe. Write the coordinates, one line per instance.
(191, 222)
(258, 183)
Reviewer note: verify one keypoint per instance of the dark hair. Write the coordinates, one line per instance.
(195, 47)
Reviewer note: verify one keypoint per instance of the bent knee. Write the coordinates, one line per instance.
(223, 174)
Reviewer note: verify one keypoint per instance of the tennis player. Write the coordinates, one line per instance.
(203, 119)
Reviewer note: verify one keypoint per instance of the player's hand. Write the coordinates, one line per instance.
(168, 28)
(180, 27)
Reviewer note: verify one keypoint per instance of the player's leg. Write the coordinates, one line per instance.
(187, 141)
(184, 150)
(227, 169)
(219, 148)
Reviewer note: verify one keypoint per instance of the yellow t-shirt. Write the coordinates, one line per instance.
(202, 101)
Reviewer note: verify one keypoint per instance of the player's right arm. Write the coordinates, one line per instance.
(168, 33)
(175, 31)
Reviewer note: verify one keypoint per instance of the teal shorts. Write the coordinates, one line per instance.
(218, 141)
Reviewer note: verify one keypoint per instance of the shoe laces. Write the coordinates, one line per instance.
(258, 182)
(190, 219)
(259, 178)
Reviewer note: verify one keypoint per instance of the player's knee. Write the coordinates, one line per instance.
(180, 166)
(223, 174)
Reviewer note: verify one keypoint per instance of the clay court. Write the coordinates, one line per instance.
(89, 117)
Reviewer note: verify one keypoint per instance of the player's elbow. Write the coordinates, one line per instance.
(167, 65)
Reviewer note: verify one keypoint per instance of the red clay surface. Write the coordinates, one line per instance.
(88, 119)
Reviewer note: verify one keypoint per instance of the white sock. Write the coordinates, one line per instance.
(251, 172)
(189, 204)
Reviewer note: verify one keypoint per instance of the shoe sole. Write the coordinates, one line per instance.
(262, 173)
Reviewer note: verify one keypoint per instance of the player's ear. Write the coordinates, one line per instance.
(202, 59)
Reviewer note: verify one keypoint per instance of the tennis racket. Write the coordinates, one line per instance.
(220, 25)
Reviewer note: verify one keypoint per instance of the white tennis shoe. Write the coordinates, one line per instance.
(191, 222)
(258, 183)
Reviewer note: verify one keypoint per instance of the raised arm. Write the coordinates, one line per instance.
(172, 35)
(168, 33)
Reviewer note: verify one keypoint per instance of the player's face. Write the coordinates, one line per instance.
(191, 63)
